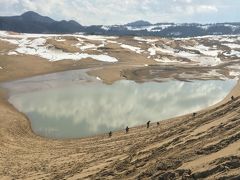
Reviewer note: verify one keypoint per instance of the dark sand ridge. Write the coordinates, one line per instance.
(205, 146)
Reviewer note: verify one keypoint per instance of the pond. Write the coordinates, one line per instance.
(72, 104)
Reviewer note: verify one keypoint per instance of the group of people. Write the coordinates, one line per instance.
(127, 128)
(148, 123)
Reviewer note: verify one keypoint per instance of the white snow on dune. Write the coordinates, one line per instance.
(145, 40)
(3, 33)
(234, 74)
(1, 68)
(170, 51)
(98, 78)
(232, 46)
(87, 46)
(165, 49)
(132, 48)
(56, 55)
(234, 67)
(113, 42)
(96, 37)
(207, 61)
(59, 39)
(204, 50)
(37, 47)
(12, 41)
(37, 42)
(207, 51)
(24, 35)
(12, 53)
(152, 51)
(232, 53)
(80, 40)
(89, 37)
(185, 54)
(227, 39)
(166, 60)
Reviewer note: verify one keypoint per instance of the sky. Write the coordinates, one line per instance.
(109, 12)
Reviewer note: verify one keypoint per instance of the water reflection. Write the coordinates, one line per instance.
(93, 108)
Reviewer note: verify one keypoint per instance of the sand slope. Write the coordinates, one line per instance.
(205, 146)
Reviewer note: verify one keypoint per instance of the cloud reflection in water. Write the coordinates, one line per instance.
(94, 108)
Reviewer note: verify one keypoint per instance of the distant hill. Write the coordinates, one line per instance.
(139, 23)
(173, 29)
(31, 22)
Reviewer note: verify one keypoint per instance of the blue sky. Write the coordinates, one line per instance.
(88, 12)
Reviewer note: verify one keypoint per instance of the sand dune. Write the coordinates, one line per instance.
(187, 147)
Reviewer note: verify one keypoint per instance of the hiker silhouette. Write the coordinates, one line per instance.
(148, 124)
(127, 129)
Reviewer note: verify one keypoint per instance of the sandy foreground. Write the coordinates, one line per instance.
(187, 147)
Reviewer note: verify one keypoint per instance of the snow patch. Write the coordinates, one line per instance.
(152, 51)
(132, 48)
(232, 46)
(232, 53)
(106, 28)
(227, 39)
(166, 60)
(3, 33)
(12, 53)
(60, 39)
(207, 61)
(12, 41)
(36, 47)
(97, 38)
(98, 78)
(204, 50)
(234, 74)
(145, 40)
(113, 42)
(88, 46)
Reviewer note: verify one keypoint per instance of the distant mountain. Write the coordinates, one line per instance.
(139, 23)
(31, 22)
(173, 29)
(31, 16)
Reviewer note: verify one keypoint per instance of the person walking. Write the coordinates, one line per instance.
(127, 129)
(110, 134)
(148, 124)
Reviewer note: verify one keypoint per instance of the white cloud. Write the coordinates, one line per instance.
(194, 9)
(206, 8)
(183, 1)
